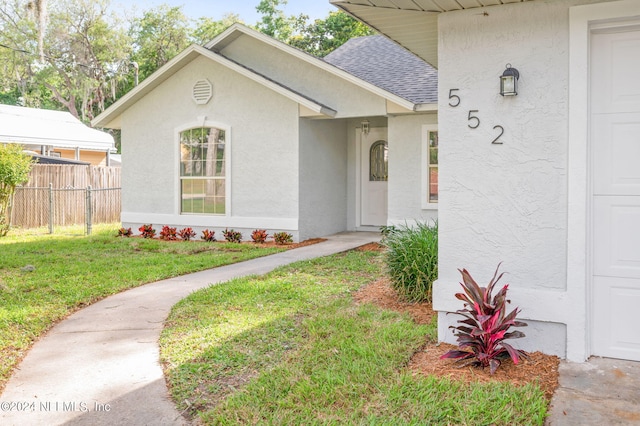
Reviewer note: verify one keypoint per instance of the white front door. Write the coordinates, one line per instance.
(615, 172)
(373, 180)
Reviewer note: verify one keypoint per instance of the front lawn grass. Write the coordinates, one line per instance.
(292, 347)
(72, 271)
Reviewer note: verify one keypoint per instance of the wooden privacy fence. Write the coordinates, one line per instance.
(58, 195)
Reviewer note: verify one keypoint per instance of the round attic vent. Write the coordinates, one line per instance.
(202, 92)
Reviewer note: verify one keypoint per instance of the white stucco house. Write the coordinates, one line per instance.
(547, 181)
(56, 136)
(250, 133)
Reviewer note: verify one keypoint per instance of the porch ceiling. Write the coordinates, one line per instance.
(411, 23)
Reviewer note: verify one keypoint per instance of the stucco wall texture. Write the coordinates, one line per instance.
(245, 109)
(323, 177)
(506, 202)
(286, 172)
(335, 92)
(406, 167)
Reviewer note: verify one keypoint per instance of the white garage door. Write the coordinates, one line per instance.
(615, 165)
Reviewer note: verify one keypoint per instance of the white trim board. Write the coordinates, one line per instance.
(582, 21)
(211, 221)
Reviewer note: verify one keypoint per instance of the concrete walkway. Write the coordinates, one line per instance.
(101, 365)
(599, 392)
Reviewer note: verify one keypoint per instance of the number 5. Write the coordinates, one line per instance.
(473, 117)
(454, 100)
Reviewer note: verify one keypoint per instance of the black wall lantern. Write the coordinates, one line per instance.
(509, 81)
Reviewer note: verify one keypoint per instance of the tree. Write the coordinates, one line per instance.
(15, 166)
(86, 54)
(39, 10)
(318, 38)
(83, 55)
(275, 23)
(325, 35)
(16, 39)
(158, 36)
(73, 55)
(207, 29)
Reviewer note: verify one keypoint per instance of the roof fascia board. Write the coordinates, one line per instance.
(426, 107)
(230, 34)
(305, 112)
(307, 103)
(163, 73)
(226, 37)
(181, 60)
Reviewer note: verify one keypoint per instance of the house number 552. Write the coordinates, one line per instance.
(473, 119)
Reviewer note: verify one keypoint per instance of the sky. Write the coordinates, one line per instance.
(216, 9)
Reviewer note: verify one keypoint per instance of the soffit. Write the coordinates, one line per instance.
(411, 23)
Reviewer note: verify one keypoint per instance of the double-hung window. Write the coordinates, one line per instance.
(203, 164)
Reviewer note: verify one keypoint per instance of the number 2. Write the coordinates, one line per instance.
(497, 140)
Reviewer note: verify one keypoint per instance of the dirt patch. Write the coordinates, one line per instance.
(540, 368)
(371, 247)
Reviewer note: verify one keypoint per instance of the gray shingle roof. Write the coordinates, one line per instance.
(382, 62)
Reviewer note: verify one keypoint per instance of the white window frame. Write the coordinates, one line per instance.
(202, 122)
(425, 168)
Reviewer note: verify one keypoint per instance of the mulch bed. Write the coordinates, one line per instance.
(540, 368)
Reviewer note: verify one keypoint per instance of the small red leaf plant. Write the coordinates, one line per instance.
(168, 233)
(282, 238)
(482, 334)
(208, 236)
(232, 236)
(259, 236)
(125, 232)
(186, 234)
(147, 231)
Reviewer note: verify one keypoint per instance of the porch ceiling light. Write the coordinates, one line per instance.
(365, 127)
(509, 81)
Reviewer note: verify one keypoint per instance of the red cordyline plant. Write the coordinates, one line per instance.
(482, 334)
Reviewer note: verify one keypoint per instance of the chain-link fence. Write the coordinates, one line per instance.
(35, 207)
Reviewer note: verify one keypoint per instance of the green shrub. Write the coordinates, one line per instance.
(15, 166)
(412, 260)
